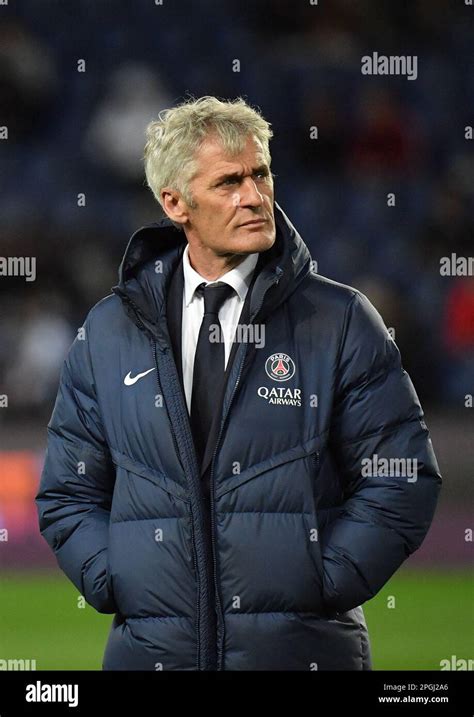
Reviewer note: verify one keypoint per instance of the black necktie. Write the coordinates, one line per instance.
(209, 362)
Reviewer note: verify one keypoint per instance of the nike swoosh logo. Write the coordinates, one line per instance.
(129, 381)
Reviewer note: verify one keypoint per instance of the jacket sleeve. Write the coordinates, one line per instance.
(386, 513)
(76, 485)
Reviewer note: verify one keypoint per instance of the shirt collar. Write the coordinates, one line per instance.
(239, 277)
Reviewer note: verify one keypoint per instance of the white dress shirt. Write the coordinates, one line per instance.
(193, 311)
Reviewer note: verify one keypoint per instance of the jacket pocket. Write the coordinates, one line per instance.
(95, 585)
(156, 477)
(309, 448)
(108, 579)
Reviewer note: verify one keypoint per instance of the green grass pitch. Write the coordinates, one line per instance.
(432, 619)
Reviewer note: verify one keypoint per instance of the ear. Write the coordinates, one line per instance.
(174, 205)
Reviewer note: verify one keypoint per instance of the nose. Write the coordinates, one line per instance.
(249, 194)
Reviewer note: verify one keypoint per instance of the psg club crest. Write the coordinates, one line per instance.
(280, 367)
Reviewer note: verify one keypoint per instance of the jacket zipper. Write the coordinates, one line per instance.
(316, 459)
(220, 645)
(193, 550)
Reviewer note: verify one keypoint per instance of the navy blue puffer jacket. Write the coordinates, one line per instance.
(313, 506)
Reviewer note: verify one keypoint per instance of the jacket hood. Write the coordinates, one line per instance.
(154, 251)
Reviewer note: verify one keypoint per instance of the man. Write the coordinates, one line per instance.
(234, 503)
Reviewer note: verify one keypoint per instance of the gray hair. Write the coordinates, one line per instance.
(174, 138)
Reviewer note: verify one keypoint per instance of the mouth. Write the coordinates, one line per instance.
(254, 223)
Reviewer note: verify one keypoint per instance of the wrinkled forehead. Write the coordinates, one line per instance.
(213, 157)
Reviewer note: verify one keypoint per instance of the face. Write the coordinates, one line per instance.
(233, 198)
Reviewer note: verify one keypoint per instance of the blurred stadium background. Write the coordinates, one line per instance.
(73, 132)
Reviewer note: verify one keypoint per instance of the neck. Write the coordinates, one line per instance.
(212, 266)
